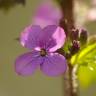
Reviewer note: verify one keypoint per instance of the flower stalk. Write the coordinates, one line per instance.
(68, 15)
(67, 22)
(71, 81)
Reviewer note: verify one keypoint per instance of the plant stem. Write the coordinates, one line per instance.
(68, 14)
(67, 22)
(71, 83)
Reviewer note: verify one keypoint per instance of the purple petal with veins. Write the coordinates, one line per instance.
(59, 36)
(29, 37)
(54, 64)
(51, 37)
(27, 63)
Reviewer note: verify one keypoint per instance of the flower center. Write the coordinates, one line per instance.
(43, 52)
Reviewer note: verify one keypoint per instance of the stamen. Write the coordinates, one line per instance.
(43, 52)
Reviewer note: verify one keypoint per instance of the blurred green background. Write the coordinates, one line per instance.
(11, 24)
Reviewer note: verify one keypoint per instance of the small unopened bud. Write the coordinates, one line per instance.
(75, 47)
(83, 36)
(74, 34)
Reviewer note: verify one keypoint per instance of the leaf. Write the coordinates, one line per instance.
(86, 58)
(92, 39)
(85, 55)
(86, 76)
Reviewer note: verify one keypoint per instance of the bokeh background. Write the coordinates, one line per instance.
(12, 22)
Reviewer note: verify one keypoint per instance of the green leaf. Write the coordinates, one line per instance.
(86, 76)
(85, 55)
(92, 39)
(86, 58)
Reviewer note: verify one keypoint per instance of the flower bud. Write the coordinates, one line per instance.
(74, 34)
(83, 37)
(75, 47)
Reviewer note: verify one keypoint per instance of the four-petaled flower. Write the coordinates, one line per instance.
(43, 44)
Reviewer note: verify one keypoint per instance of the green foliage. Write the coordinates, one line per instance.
(86, 76)
(86, 58)
(85, 55)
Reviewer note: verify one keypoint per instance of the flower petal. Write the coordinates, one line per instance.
(27, 63)
(54, 65)
(59, 36)
(24, 35)
(45, 14)
(46, 36)
(29, 37)
(51, 37)
(35, 37)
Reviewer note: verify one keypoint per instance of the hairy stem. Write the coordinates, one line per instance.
(75, 79)
(67, 22)
(71, 83)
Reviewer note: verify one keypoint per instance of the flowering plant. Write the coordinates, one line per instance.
(56, 46)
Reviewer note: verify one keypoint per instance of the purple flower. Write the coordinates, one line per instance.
(47, 14)
(42, 44)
